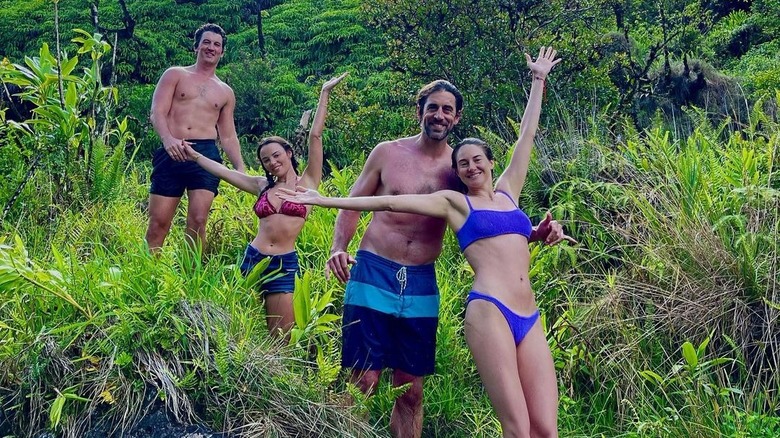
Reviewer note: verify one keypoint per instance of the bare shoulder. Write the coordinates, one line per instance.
(456, 200)
(393, 148)
(223, 84)
(382, 150)
(453, 196)
(389, 153)
(174, 73)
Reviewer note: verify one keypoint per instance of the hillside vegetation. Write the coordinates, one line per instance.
(658, 152)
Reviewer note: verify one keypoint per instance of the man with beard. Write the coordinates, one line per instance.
(391, 305)
(190, 106)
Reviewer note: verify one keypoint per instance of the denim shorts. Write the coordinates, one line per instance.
(284, 264)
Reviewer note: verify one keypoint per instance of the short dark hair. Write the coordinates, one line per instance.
(210, 27)
(474, 141)
(438, 85)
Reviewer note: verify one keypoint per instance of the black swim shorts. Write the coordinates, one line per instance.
(171, 178)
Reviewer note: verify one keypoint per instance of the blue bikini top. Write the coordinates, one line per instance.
(481, 224)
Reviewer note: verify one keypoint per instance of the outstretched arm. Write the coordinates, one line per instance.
(513, 177)
(247, 183)
(313, 174)
(433, 204)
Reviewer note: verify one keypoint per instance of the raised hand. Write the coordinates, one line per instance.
(327, 86)
(544, 63)
(550, 232)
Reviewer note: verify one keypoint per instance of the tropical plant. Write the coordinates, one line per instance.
(71, 136)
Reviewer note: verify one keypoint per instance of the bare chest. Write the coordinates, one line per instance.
(206, 94)
(415, 176)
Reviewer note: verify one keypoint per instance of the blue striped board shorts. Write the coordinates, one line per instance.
(391, 312)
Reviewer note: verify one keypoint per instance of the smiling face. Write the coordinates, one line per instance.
(275, 159)
(439, 115)
(210, 48)
(474, 164)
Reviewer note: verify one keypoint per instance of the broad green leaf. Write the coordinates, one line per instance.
(689, 353)
(68, 66)
(71, 96)
(327, 318)
(702, 347)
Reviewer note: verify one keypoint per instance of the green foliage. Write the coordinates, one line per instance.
(678, 241)
(307, 42)
(269, 98)
(313, 322)
(609, 49)
(483, 54)
(102, 324)
(677, 223)
(151, 36)
(745, 43)
(321, 37)
(71, 136)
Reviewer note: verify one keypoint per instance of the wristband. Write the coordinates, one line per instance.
(544, 84)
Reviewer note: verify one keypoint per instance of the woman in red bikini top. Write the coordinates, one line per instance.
(280, 222)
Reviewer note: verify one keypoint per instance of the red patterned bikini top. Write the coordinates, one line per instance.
(264, 208)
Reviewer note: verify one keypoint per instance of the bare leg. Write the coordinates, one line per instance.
(407, 417)
(161, 211)
(493, 347)
(279, 314)
(365, 380)
(537, 372)
(199, 203)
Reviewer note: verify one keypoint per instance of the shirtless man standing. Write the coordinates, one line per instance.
(191, 106)
(391, 306)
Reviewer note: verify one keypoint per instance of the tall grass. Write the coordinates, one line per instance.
(663, 321)
(95, 324)
(681, 242)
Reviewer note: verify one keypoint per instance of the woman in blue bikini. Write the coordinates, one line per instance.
(280, 221)
(502, 324)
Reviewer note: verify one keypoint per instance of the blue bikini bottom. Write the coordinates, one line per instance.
(520, 325)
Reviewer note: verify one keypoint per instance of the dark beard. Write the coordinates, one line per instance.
(435, 136)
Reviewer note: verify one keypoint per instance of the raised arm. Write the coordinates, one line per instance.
(313, 174)
(226, 128)
(513, 177)
(247, 183)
